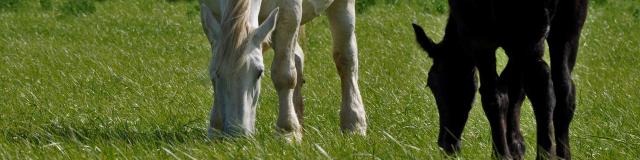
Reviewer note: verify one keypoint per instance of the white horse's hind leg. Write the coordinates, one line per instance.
(345, 54)
(283, 69)
(298, 100)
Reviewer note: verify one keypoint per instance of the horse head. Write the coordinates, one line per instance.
(453, 84)
(236, 67)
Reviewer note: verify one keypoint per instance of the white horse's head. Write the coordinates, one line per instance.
(236, 67)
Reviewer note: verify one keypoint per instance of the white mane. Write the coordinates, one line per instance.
(234, 29)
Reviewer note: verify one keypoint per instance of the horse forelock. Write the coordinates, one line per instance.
(235, 31)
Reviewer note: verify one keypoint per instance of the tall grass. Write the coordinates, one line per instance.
(129, 81)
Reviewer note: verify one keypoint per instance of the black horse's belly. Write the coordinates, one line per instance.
(524, 21)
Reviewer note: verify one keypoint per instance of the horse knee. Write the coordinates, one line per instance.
(284, 77)
(346, 61)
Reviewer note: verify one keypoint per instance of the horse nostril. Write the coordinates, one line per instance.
(260, 73)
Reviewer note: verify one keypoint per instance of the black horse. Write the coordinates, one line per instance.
(475, 29)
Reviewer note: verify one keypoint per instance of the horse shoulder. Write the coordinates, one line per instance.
(310, 8)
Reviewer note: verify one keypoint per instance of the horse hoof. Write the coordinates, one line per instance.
(214, 134)
(353, 122)
(291, 137)
(361, 131)
(518, 150)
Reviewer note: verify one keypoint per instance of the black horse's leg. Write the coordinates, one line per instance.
(494, 101)
(539, 89)
(512, 76)
(563, 44)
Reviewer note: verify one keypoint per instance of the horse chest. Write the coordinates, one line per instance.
(310, 8)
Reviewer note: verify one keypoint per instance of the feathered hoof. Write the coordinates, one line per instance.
(354, 126)
(360, 130)
(291, 137)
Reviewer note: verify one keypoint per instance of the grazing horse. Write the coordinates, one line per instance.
(232, 29)
(475, 29)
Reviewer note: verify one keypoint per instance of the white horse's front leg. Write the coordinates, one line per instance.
(283, 69)
(342, 18)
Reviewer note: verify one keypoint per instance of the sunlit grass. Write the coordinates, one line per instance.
(129, 80)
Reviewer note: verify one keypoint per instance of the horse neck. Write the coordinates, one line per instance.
(254, 10)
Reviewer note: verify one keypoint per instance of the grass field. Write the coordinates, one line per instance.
(120, 79)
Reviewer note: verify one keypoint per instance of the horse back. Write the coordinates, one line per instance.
(502, 21)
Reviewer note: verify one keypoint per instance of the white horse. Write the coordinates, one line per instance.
(236, 68)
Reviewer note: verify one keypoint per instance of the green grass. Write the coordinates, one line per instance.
(128, 80)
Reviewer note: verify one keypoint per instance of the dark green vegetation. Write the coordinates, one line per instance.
(128, 79)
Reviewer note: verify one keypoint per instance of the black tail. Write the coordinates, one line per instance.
(425, 42)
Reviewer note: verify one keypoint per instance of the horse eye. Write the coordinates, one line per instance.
(217, 74)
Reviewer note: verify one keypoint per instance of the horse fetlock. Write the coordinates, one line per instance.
(563, 151)
(450, 147)
(291, 137)
(288, 123)
(517, 147)
(353, 120)
(503, 157)
(289, 129)
(237, 129)
(543, 154)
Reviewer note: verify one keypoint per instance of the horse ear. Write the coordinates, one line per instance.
(264, 31)
(425, 42)
(209, 23)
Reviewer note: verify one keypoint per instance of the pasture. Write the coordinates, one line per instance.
(107, 79)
